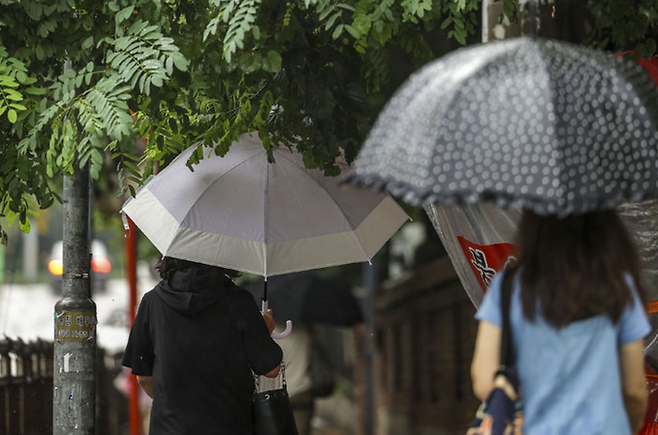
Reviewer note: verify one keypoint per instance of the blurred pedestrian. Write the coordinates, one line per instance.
(577, 320)
(195, 341)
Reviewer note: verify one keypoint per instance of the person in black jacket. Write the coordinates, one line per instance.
(195, 342)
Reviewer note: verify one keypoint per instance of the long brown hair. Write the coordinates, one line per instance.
(575, 266)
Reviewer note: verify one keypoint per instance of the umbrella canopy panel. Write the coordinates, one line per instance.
(524, 122)
(244, 213)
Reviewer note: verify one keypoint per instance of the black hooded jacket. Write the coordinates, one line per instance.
(200, 336)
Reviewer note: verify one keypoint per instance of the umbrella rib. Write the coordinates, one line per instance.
(352, 232)
(216, 180)
(321, 186)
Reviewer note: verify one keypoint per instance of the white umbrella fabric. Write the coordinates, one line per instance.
(243, 213)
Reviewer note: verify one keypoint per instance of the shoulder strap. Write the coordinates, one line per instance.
(506, 342)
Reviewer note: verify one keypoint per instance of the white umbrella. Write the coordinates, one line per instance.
(243, 213)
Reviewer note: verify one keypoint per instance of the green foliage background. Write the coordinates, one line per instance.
(82, 80)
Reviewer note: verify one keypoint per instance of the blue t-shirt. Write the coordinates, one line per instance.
(570, 376)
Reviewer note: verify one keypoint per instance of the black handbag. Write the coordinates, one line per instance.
(272, 412)
(501, 413)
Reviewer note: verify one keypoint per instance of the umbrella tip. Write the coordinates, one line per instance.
(124, 220)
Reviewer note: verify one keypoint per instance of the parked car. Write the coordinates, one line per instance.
(100, 265)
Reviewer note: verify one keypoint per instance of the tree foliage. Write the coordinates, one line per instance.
(625, 25)
(81, 80)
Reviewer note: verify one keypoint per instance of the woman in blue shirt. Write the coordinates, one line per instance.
(578, 320)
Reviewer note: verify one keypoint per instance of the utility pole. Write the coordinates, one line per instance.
(74, 393)
(374, 274)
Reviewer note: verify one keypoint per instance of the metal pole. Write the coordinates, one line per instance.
(370, 282)
(74, 383)
(373, 275)
(131, 273)
(485, 21)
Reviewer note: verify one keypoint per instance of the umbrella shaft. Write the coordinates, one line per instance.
(264, 305)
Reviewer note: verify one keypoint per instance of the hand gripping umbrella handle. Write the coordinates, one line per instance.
(277, 335)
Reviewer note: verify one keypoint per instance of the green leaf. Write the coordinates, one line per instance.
(113, 6)
(132, 157)
(275, 60)
(446, 23)
(211, 28)
(24, 224)
(8, 82)
(332, 20)
(352, 31)
(384, 35)
(325, 13)
(94, 172)
(249, 62)
(180, 61)
(87, 43)
(21, 76)
(124, 14)
(39, 52)
(509, 8)
(338, 31)
(11, 94)
(12, 116)
(131, 167)
(35, 91)
(46, 201)
(460, 37)
(97, 157)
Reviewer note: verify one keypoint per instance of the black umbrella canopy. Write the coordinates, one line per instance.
(526, 122)
(309, 298)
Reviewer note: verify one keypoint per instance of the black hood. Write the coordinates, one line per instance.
(190, 291)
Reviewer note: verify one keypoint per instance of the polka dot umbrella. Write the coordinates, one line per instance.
(526, 122)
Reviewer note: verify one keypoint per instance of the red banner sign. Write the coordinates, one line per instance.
(486, 260)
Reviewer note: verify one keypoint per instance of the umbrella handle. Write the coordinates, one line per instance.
(263, 307)
(284, 333)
